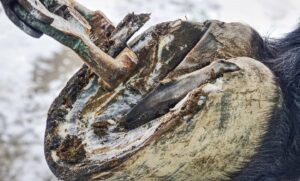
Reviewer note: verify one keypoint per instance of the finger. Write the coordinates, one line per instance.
(7, 5)
(34, 7)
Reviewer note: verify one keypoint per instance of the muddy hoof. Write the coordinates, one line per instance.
(184, 113)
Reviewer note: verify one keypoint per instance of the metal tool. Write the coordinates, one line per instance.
(67, 22)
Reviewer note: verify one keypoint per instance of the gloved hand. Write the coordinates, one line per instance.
(8, 8)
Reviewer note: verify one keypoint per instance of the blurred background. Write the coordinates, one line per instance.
(33, 71)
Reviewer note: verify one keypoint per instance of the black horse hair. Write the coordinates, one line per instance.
(278, 158)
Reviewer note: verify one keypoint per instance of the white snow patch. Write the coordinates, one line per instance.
(54, 156)
(164, 42)
(117, 144)
(214, 87)
(143, 43)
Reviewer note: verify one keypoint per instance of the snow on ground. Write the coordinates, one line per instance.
(269, 17)
(32, 72)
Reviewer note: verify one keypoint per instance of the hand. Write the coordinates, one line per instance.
(8, 8)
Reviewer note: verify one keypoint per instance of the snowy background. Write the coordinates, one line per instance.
(32, 72)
